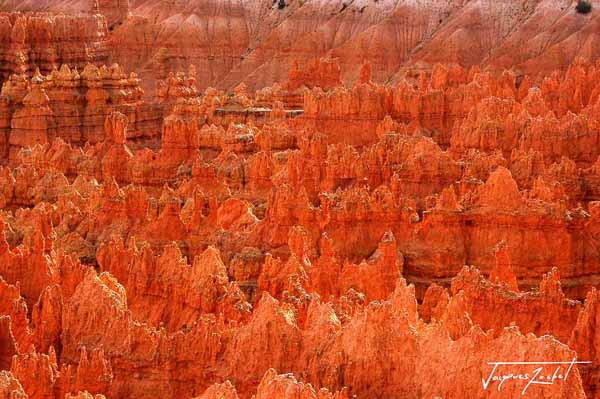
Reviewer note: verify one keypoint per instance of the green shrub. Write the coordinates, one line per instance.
(583, 7)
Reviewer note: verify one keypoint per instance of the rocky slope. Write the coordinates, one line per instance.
(401, 194)
(256, 42)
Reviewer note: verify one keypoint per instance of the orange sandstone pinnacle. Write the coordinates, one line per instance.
(299, 199)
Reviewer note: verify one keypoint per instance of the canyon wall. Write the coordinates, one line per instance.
(258, 42)
(47, 41)
(316, 199)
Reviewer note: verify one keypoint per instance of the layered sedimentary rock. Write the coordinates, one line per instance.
(72, 106)
(333, 235)
(47, 41)
(258, 42)
(115, 11)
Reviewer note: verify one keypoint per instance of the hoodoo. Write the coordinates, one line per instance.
(219, 199)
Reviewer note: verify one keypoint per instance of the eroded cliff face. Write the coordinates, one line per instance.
(364, 204)
(48, 40)
(257, 42)
(73, 106)
(260, 40)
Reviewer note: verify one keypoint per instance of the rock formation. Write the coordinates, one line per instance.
(72, 106)
(283, 200)
(47, 41)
